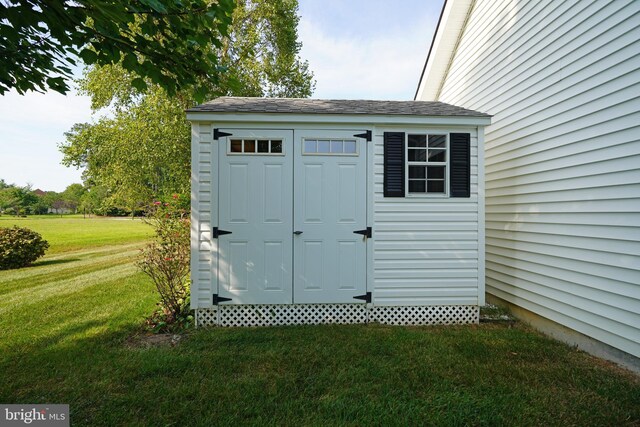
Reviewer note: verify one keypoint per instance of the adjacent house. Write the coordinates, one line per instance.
(562, 81)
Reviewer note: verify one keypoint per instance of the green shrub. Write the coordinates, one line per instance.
(117, 211)
(166, 262)
(19, 247)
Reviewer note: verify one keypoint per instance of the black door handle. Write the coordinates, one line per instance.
(297, 233)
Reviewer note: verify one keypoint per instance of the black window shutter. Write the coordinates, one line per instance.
(460, 166)
(394, 164)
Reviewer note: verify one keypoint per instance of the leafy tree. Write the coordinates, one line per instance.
(92, 199)
(166, 42)
(261, 54)
(72, 195)
(19, 199)
(40, 207)
(8, 199)
(142, 149)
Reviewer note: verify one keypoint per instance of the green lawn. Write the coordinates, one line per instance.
(73, 232)
(66, 323)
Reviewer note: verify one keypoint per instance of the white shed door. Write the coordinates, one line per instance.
(329, 205)
(256, 207)
(288, 210)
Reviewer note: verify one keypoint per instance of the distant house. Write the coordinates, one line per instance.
(562, 81)
(60, 211)
(39, 192)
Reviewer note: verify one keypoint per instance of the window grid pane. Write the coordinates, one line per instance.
(276, 146)
(417, 140)
(323, 146)
(437, 156)
(435, 186)
(417, 172)
(236, 146)
(310, 146)
(417, 155)
(416, 186)
(250, 146)
(349, 147)
(263, 146)
(435, 172)
(438, 141)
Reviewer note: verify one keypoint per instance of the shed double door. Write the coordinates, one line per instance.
(289, 204)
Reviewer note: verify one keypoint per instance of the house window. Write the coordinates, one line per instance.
(427, 163)
(255, 146)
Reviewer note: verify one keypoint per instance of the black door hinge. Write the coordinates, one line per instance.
(217, 232)
(366, 232)
(366, 297)
(217, 134)
(217, 299)
(366, 135)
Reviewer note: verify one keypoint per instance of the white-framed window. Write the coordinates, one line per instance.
(329, 147)
(427, 156)
(255, 146)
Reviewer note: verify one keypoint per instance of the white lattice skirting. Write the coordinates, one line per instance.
(314, 314)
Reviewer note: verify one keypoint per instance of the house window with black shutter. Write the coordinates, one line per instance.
(427, 164)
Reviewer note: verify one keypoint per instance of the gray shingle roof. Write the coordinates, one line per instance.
(227, 104)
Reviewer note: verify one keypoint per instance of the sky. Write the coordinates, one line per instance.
(357, 49)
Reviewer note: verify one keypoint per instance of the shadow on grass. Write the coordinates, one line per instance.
(334, 375)
(53, 262)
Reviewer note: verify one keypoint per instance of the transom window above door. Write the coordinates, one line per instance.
(427, 163)
(334, 147)
(255, 146)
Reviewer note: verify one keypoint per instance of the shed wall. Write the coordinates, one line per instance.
(562, 80)
(426, 247)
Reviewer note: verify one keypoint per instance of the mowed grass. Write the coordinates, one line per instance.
(73, 232)
(89, 263)
(65, 337)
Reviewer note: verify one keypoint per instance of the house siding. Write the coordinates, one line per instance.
(562, 80)
(426, 249)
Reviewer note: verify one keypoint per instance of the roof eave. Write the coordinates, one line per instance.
(363, 119)
(445, 39)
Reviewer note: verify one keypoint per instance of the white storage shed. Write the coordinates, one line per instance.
(336, 211)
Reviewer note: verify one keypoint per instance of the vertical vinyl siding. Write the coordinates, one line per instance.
(425, 248)
(202, 214)
(562, 79)
(195, 141)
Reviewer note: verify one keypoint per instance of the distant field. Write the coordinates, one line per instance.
(73, 232)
